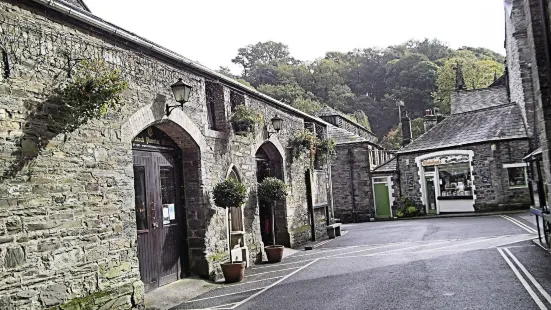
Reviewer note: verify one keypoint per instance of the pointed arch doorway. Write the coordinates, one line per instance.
(160, 212)
(269, 163)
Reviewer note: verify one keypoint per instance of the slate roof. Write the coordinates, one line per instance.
(389, 166)
(495, 123)
(469, 100)
(77, 3)
(341, 136)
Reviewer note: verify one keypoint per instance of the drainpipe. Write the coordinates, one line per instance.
(352, 188)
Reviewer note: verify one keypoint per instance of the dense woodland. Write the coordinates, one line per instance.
(366, 84)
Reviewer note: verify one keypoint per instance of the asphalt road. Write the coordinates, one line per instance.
(445, 263)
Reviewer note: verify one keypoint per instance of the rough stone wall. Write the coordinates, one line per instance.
(540, 76)
(351, 179)
(490, 178)
(67, 221)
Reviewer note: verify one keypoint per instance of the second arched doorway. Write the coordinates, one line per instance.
(269, 163)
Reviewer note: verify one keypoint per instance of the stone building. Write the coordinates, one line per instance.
(93, 217)
(528, 34)
(470, 161)
(357, 155)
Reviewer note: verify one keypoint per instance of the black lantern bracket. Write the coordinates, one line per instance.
(181, 92)
(169, 108)
(276, 124)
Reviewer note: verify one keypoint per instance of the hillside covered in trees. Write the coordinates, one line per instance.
(368, 81)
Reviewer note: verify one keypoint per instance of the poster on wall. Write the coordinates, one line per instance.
(320, 188)
(166, 216)
(171, 212)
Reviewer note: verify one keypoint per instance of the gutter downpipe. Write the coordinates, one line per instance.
(93, 20)
(352, 188)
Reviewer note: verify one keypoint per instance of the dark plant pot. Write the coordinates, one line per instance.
(274, 253)
(242, 128)
(233, 272)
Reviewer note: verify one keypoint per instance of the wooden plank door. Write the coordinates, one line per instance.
(146, 216)
(170, 231)
(161, 233)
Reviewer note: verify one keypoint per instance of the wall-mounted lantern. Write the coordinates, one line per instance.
(276, 124)
(181, 92)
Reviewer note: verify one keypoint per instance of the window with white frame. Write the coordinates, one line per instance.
(516, 174)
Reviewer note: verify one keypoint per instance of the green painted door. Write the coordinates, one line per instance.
(382, 201)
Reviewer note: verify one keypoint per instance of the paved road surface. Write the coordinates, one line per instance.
(447, 263)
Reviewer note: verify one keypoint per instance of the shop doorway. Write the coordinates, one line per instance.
(269, 164)
(431, 194)
(160, 214)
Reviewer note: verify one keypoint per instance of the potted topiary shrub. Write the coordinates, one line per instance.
(270, 191)
(244, 120)
(231, 194)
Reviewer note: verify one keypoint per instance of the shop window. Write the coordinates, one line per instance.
(455, 180)
(517, 177)
(236, 212)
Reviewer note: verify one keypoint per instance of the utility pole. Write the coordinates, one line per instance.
(400, 104)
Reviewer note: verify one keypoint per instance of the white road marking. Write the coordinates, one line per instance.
(243, 283)
(520, 224)
(542, 291)
(372, 254)
(277, 265)
(523, 281)
(272, 285)
(223, 295)
(529, 237)
(321, 243)
(272, 271)
(221, 307)
(538, 243)
(350, 247)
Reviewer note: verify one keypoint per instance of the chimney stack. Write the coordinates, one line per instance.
(406, 129)
(459, 79)
(430, 119)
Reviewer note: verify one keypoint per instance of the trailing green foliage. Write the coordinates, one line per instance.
(407, 208)
(325, 150)
(272, 189)
(229, 193)
(93, 90)
(245, 119)
(303, 142)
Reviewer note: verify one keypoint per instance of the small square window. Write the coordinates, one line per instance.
(517, 177)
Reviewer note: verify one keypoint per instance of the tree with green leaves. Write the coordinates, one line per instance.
(477, 72)
(261, 53)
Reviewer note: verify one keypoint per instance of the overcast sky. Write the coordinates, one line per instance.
(211, 31)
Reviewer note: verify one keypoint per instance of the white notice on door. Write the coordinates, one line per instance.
(166, 217)
(171, 211)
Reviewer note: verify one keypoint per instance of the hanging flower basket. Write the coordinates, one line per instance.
(244, 120)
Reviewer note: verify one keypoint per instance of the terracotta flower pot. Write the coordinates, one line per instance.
(233, 272)
(274, 253)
